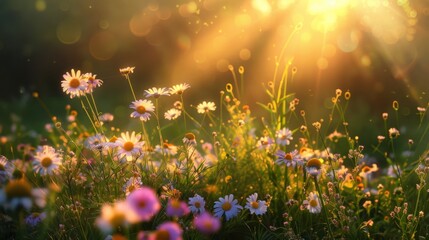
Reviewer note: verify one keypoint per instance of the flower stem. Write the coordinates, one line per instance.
(323, 207)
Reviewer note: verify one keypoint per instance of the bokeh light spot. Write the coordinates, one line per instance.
(245, 54)
(104, 24)
(322, 63)
(365, 60)
(40, 5)
(103, 45)
(349, 41)
(69, 31)
(140, 26)
(184, 42)
(243, 20)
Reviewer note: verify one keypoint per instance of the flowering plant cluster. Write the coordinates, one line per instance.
(211, 171)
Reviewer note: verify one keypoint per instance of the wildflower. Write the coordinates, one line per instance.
(143, 109)
(265, 143)
(144, 202)
(179, 88)
(166, 148)
(306, 153)
(290, 159)
(206, 223)
(167, 230)
(176, 208)
(6, 170)
(421, 109)
(380, 138)
(196, 204)
(313, 203)
(46, 160)
(284, 136)
(172, 114)
(95, 142)
(367, 204)
(74, 84)
(335, 136)
(367, 170)
(17, 193)
(156, 92)
(393, 133)
(115, 216)
(93, 82)
(34, 219)
(314, 167)
(127, 70)
(189, 139)
(205, 107)
(106, 117)
(227, 206)
(385, 116)
(129, 145)
(134, 183)
(256, 206)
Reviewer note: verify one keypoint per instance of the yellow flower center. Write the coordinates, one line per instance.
(74, 83)
(288, 156)
(128, 146)
(314, 162)
(197, 204)
(162, 235)
(226, 206)
(131, 188)
(46, 162)
(313, 203)
(140, 109)
(175, 204)
(117, 219)
(2, 167)
(254, 205)
(208, 224)
(17, 189)
(142, 204)
(190, 136)
(366, 169)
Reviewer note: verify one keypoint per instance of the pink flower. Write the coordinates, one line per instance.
(167, 230)
(176, 208)
(206, 223)
(144, 202)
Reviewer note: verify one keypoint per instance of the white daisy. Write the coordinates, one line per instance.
(172, 114)
(74, 84)
(179, 88)
(227, 206)
(93, 82)
(313, 203)
(143, 109)
(284, 136)
(156, 92)
(46, 160)
(205, 107)
(129, 146)
(197, 204)
(256, 206)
